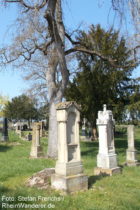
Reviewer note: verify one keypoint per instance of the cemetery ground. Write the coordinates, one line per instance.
(118, 192)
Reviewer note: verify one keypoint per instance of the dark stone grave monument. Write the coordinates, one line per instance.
(5, 130)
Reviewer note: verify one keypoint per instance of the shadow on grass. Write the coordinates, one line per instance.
(3, 190)
(93, 179)
(4, 148)
(89, 148)
(121, 145)
(137, 145)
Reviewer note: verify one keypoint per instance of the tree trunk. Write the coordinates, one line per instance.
(52, 141)
(94, 133)
(52, 91)
(56, 62)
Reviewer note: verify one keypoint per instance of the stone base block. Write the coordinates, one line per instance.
(69, 169)
(69, 184)
(131, 155)
(110, 172)
(107, 161)
(36, 152)
(132, 163)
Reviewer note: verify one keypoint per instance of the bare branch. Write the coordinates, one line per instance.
(44, 47)
(100, 55)
(71, 40)
(22, 2)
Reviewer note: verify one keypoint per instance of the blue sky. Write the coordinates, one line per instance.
(75, 12)
(11, 83)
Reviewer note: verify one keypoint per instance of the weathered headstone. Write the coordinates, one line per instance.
(41, 128)
(18, 128)
(29, 137)
(83, 134)
(131, 151)
(68, 175)
(106, 158)
(36, 150)
(25, 127)
(5, 130)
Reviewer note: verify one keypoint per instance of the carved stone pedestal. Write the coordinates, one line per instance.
(68, 175)
(69, 184)
(106, 158)
(36, 150)
(131, 158)
(131, 152)
(110, 172)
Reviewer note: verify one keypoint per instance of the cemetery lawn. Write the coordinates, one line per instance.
(119, 192)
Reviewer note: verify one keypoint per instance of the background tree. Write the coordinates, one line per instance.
(133, 108)
(21, 108)
(41, 31)
(98, 82)
(44, 113)
(34, 73)
(3, 101)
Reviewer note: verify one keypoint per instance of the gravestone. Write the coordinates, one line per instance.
(36, 150)
(18, 128)
(106, 158)
(83, 134)
(68, 175)
(5, 130)
(131, 151)
(29, 137)
(41, 128)
(25, 127)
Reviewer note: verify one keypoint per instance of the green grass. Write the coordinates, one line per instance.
(119, 192)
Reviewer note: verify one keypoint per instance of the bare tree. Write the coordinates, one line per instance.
(41, 31)
(34, 74)
(129, 14)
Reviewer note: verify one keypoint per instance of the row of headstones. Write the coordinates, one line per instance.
(19, 129)
(69, 175)
(36, 150)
